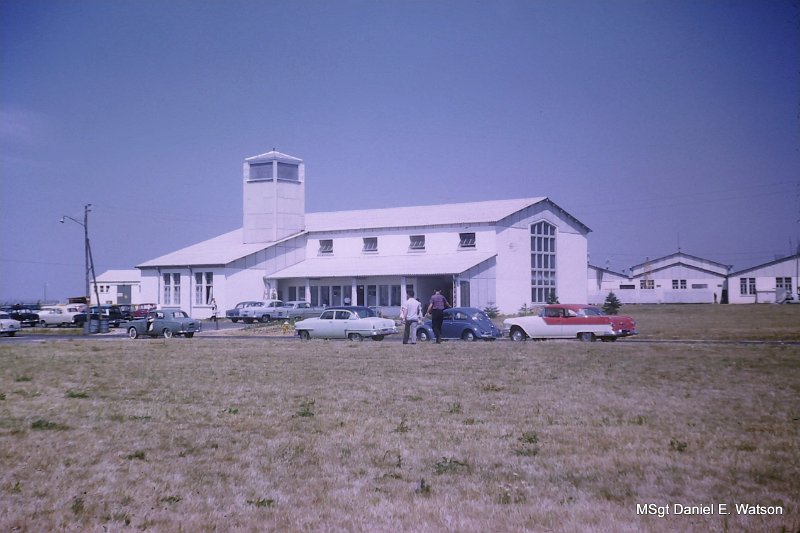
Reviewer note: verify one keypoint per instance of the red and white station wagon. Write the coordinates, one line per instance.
(570, 321)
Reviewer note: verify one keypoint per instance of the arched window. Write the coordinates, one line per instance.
(543, 262)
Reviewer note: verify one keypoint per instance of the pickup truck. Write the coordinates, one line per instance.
(262, 311)
(298, 310)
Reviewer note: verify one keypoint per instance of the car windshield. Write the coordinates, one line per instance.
(592, 311)
(179, 314)
(4, 315)
(364, 313)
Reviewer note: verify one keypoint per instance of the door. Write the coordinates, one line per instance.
(123, 294)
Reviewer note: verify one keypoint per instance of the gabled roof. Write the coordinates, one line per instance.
(127, 275)
(220, 250)
(273, 156)
(677, 264)
(795, 257)
(229, 247)
(486, 212)
(678, 255)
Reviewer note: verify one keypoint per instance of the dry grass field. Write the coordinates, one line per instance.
(264, 434)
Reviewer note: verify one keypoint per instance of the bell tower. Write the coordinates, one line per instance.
(274, 197)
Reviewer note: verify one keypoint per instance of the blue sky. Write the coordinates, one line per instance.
(656, 123)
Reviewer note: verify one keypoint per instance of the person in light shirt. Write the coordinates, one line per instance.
(411, 313)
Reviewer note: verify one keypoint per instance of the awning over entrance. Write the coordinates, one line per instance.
(376, 265)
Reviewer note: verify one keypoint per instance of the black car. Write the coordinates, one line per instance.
(24, 316)
(126, 310)
(107, 312)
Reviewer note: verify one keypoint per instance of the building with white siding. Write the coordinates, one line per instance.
(503, 253)
(675, 278)
(766, 283)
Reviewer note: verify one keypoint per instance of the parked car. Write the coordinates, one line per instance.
(24, 316)
(569, 321)
(126, 310)
(59, 316)
(9, 326)
(262, 311)
(352, 323)
(107, 312)
(164, 323)
(466, 323)
(298, 310)
(141, 310)
(235, 314)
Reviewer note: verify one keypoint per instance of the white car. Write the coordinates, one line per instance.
(8, 326)
(56, 316)
(564, 321)
(352, 323)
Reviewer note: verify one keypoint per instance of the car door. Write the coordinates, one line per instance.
(344, 323)
(323, 326)
(450, 325)
(555, 322)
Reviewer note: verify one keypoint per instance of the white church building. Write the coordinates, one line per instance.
(503, 253)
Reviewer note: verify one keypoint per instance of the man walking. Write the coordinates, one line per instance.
(410, 313)
(436, 307)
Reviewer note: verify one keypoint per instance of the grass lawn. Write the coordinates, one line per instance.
(260, 434)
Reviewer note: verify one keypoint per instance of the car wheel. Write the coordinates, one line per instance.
(422, 335)
(377, 338)
(469, 335)
(609, 339)
(263, 319)
(43, 324)
(586, 336)
(167, 333)
(132, 333)
(354, 337)
(234, 320)
(304, 335)
(188, 335)
(517, 335)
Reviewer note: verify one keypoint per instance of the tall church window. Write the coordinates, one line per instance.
(543, 262)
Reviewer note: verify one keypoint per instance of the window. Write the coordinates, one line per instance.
(678, 284)
(747, 286)
(370, 244)
(395, 295)
(543, 262)
(203, 288)
(172, 289)
(466, 240)
(783, 283)
(647, 284)
(417, 242)
(326, 246)
(627, 287)
(699, 285)
(264, 171)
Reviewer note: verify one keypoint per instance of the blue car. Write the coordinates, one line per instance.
(466, 323)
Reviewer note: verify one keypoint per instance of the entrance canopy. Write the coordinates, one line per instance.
(399, 265)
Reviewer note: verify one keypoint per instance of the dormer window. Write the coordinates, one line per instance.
(326, 246)
(370, 244)
(466, 240)
(416, 242)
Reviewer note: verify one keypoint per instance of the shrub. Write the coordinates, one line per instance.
(612, 304)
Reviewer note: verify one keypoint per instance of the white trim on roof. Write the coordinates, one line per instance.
(408, 265)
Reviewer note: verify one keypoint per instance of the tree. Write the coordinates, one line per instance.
(612, 304)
